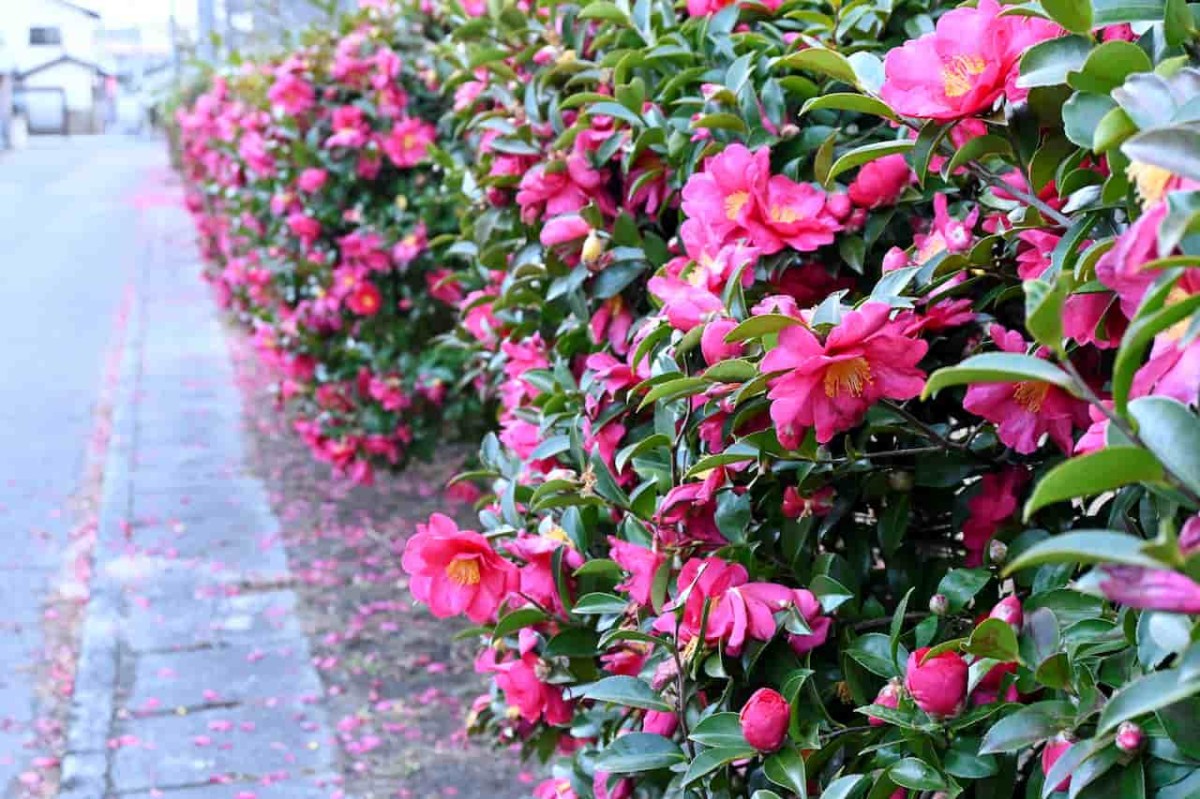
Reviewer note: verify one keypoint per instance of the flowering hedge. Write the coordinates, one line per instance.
(846, 357)
(847, 362)
(315, 181)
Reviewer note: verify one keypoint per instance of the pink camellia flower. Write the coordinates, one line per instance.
(312, 180)
(888, 696)
(533, 697)
(686, 306)
(816, 503)
(350, 128)
(764, 719)
(410, 246)
(1009, 611)
(291, 94)
(562, 188)
(939, 684)
(988, 689)
(304, 227)
(808, 607)
(564, 229)
(1093, 319)
(1189, 536)
(713, 345)
(881, 182)
(408, 142)
(687, 512)
(1151, 589)
(641, 563)
(456, 571)
(1172, 370)
(964, 66)
(1025, 412)
(538, 580)
(555, 788)
(365, 300)
(1055, 748)
(660, 722)
(994, 504)
(792, 215)
(830, 385)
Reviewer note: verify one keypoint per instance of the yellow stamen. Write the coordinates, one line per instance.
(1030, 395)
(734, 204)
(784, 214)
(464, 571)
(1151, 181)
(851, 376)
(959, 72)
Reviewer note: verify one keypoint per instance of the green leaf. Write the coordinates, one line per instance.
(864, 155)
(960, 586)
(998, 367)
(873, 651)
(1048, 63)
(1123, 782)
(1094, 473)
(849, 101)
(674, 389)
(1113, 12)
(821, 60)
(1109, 65)
(722, 730)
(844, 787)
(1043, 311)
(609, 12)
(1175, 149)
(1026, 727)
(964, 761)
(639, 751)
(1084, 547)
(574, 642)
(994, 638)
(710, 760)
(1074, 15)
(721, 122)
(785, 768)
(1113, 129)
(1082, 114)
(918, 775)
(1144, 695)
(626, 691)
(1172, 433)
(599, 604)
(613, 109)
(518, 619)
(975, 150)
(761, 325)
(731, 371)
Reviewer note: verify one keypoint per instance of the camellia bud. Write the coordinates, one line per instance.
(1009, 610)
(939, 605)
(997, 552)
(888, 696)
(938, 685)
(1130, 737)
(765, 719)
(789, 131)
(1055, 748)
(593, 248)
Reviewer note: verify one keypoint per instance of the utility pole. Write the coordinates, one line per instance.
(206, 14)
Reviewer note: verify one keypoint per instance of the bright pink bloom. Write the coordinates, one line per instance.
(792, 215)
(642, 565)
(408, 142)
(365, 300)
(808, 607)
(1093, 319)
(1189, 536)
(305, 228)
(410, 247)
(1173, 370)
(830, 385)
(564, 229)
(561, 188)
(660, 722)
(555, 788)
(988, 689)
(686, 306)
(525, 690)
(1025, 412)
(816, 503)
(713, 345)
(291, 94)
(350, 128)
(456, 571)
(1151, 589)
(538, 581)
(888, 696)
(939, 684)
(312, 180)
(1009, 611)
(687, 512)
(764, 719)
(881, 182)
(995, 502)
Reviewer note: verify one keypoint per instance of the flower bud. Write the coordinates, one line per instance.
(894, 259)
(660, 722)
(593, 248)
(765, 719)
(789, 131)
(888, 696)
(939, 685)
(1130, 737)
(1055, 748)
(997, 552)
(713, 345)
(1008, 610)
(939, 605)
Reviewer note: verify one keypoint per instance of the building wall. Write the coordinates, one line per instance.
(77, 81)
(79, 32)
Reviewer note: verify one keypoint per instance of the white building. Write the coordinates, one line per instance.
(61, 79)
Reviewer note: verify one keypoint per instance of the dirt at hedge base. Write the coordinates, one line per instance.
(398, 686)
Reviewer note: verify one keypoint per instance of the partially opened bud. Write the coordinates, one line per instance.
(1130, 737)
(1055, 748)
(1009, 610)
(939, 685)
(939, 605)
(765, 719)
(888, 696)
(713, 345)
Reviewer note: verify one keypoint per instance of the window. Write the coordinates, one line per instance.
(45, 36)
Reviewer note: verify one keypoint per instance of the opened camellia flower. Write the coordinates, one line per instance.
(1151, 589)
(938, 684)
(764, 719)
(456, 571)
(830, 385)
